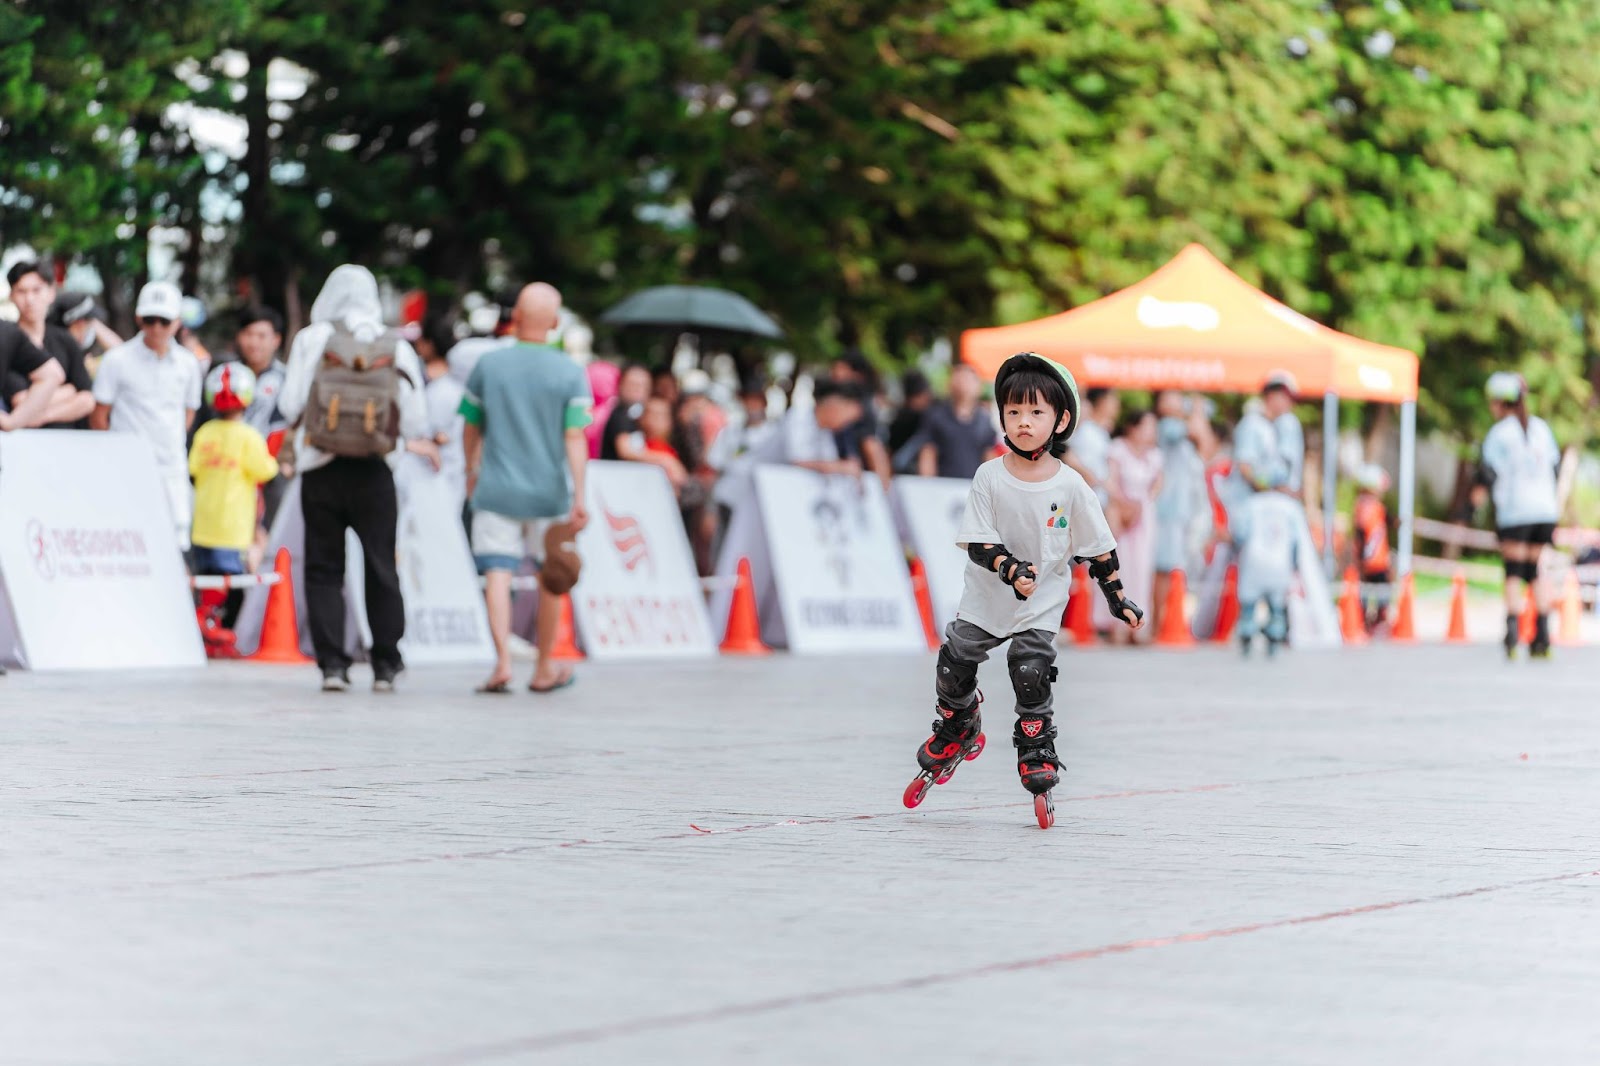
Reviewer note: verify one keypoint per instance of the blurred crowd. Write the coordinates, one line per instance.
(1164, 471)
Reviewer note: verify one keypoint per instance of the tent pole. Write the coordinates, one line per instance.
(1330, 476)
(1408, 483)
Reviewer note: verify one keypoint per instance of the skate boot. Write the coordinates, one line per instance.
(957, 737)
(1513, 627)
(1244, 644)
(1539, 646)
(1038, 765)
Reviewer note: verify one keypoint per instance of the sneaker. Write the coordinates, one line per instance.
(383, 678)
(335, 680)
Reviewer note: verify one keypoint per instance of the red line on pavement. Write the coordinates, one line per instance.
(596, 1034)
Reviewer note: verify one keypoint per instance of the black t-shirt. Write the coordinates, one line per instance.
(903, 427)
(624, 419)
(65, 349)
(962, 446)
(19, 358)
(848, 440)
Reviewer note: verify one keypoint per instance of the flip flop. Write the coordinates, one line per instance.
(498, 688)
(565, 682)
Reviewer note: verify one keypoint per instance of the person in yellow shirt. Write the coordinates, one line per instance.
(228, 461)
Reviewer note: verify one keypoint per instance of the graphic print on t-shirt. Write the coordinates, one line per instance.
(1056, 519)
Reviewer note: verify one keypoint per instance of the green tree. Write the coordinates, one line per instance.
(94, 151)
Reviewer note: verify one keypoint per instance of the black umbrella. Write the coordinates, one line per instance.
(691, 309)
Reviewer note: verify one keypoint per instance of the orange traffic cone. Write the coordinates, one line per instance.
(919, 588)
(566, 635)
(1227, 607)
(1571, 633)
(1352, 626)
(744, 625)
(280, 629)
(1174, 631)
(1080, 614)
(1404, 630)
(1528, 624)
(1457, 633)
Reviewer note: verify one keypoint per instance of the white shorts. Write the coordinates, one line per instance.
(500, 543)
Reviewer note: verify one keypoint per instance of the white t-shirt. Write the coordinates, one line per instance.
(1091, 447)
(1047, 523)
(151, 395)
(1255, 444)
(464, 355)
(1267, 558)
(1524, 466)
(1291, 449)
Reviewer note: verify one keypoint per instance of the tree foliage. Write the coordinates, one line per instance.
(881, 173)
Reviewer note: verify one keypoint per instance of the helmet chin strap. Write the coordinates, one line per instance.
(1032, 456)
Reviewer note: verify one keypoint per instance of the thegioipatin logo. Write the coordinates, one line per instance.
(627, 536)
(68, 552)
(1031, 726)
(39, 550)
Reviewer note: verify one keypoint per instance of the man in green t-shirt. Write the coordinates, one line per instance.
(525, 408)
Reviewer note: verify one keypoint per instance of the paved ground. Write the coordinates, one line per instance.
(1380, 856)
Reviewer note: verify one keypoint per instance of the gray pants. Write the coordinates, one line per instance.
(966, 643)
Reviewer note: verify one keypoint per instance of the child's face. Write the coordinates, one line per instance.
(1030, 422)
(656, 421)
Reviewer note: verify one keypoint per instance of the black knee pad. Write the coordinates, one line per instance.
(1031, 678)
(1526, 569)
(956, 679)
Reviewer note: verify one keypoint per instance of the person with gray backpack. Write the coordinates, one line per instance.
(353, 395)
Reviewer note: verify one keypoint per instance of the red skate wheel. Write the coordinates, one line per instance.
(1044, 810)
(915, 791)
(977, 748)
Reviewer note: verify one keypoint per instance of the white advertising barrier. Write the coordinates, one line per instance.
(93, 575)
(830, 575)
(445, 619)
(931, 508)
(638, 596)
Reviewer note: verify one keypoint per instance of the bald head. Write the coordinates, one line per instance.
(538, 309)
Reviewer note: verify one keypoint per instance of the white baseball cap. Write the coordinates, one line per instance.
(1505, 386)
(159, 299)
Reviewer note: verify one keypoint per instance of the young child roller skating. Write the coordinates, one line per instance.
(1028, 517)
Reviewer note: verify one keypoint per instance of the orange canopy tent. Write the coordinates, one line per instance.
(1194, 324)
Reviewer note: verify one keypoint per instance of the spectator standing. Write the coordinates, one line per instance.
(960, 433)
(621, 438)
(441, 395)
(20, 356)
(346, 482)
(859, 440)
(257, 341)
(1182, 503)
(916, 396)
(1091, 444)
(526, 407)
(228, 460)
(1134, 462)
(79, 315)
(150, 386)
(72, 401)
(732, 451)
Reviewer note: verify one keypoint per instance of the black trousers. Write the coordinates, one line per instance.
(353, 494)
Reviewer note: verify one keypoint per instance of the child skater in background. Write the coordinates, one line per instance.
(1028, 517)
(1267, 567)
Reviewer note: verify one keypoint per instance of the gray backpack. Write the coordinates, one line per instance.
(354, 408)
